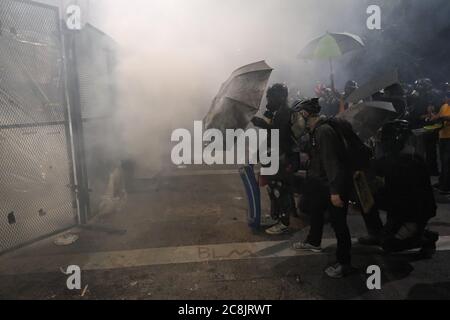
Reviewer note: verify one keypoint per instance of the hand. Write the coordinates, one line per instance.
(336, 200)
(260, 123)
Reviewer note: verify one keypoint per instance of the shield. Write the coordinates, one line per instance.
(368, 117)
(239, 98)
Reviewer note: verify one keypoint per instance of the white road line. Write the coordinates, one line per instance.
(161, 256)
(194, 173)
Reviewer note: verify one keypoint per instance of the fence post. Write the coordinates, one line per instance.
(76, 123)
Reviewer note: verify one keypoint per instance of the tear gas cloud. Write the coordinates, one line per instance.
(174, 55)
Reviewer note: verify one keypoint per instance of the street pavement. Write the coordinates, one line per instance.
(183, 234)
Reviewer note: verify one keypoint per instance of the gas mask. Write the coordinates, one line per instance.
(299, 125)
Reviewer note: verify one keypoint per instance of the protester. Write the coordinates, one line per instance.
(424, 103)
(278, 116)
(350, 87)
(328, 187)
(407, 196)
(444, 145)
(329, 102)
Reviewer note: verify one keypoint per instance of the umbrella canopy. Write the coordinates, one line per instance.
(331, 45)
(375, 85)
(368, 117)
(239, 98)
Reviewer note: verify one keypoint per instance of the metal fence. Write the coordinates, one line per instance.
(36, 194)
(95, 68)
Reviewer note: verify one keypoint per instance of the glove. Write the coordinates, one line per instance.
(260, 123)
(269, 114)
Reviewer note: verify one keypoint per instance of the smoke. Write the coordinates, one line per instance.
(174, 55)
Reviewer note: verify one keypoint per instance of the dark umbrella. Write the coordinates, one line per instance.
(329, 46)
(368, 117)
(239, 98)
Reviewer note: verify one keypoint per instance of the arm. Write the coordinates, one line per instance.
(329, 144)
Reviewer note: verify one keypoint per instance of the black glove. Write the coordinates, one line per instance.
(269, 114)
(260, 123)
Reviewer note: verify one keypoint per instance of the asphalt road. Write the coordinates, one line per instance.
(183, 235)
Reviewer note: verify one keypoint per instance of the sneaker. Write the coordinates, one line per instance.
(429, 247)
(370, 241)
(277, 229)
(338, 271)
(306, 247)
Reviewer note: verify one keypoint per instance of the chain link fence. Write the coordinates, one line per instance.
(36, 195)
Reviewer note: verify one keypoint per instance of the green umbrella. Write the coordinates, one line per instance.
(329, 46)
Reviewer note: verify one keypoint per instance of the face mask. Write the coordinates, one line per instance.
(299, 127)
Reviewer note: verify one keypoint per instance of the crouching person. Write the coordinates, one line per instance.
(407, 196)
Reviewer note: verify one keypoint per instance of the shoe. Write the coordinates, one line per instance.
(277, 229)
(339, 271)
(370, 241)
(429, 248)
(306, 247)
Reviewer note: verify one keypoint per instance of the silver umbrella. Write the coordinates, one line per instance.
(368, 117)
(239, 98)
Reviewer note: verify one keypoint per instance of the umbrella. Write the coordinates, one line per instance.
(368, 117)
(329, 46)
(239, 98)
(375, 85)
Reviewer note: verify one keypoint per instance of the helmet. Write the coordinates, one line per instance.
(311, 106)
(394, 136)
(351, 86)
(277, 96)
(278, 91)
(423, 85)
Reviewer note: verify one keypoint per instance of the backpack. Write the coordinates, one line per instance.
(355, 153)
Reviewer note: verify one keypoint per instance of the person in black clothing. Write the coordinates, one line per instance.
(327, 188)
(425, 102)
(407, 196)
(278, 116)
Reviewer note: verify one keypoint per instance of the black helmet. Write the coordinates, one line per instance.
(277, 96)
(394, 136)
(278, 91)
(351, 86)
(311, 106)
(423, 85)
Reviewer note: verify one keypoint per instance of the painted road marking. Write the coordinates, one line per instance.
(162, 256)
(195, 173)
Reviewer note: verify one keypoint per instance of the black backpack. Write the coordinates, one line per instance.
(355, 153)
